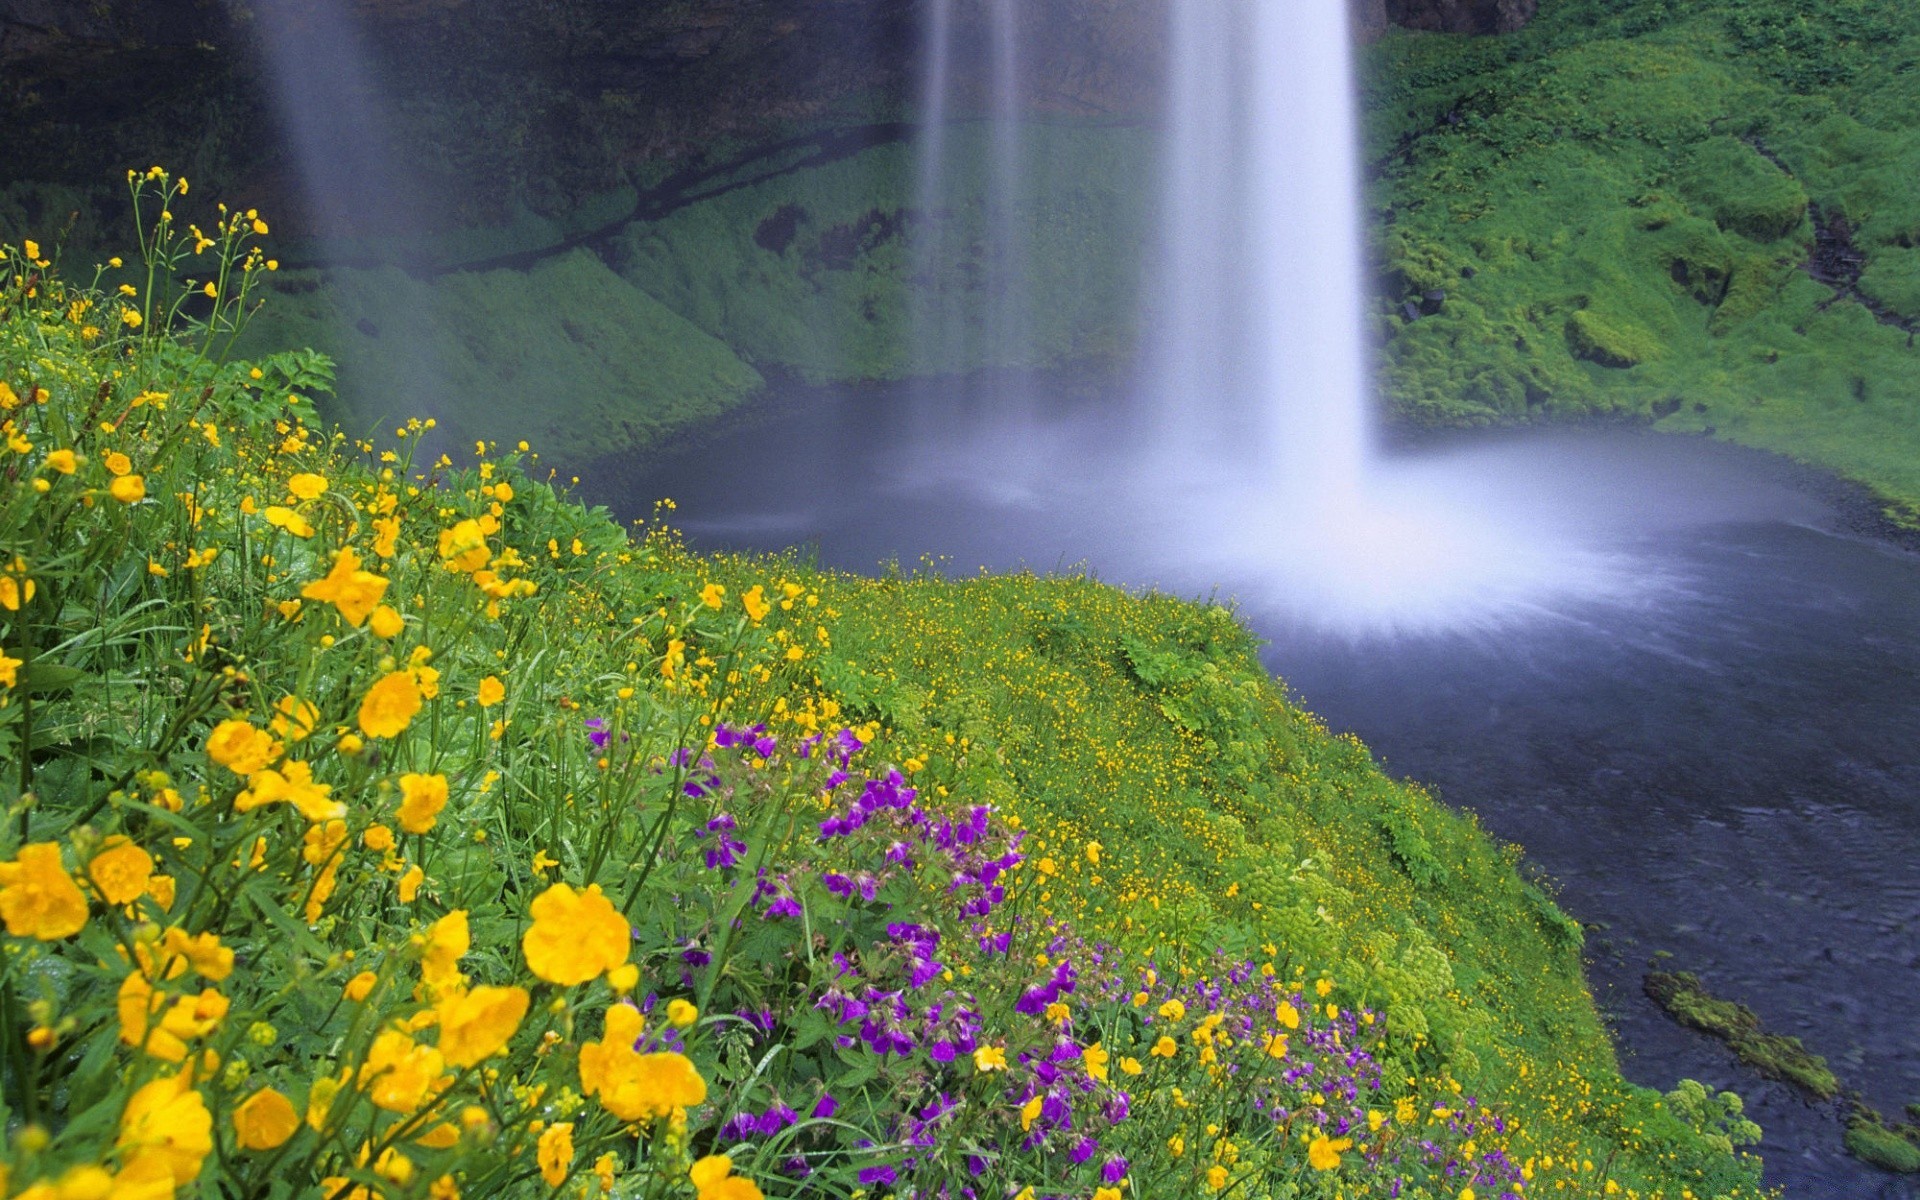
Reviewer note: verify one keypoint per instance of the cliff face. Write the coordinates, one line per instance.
(1461, 16)
(651, 79)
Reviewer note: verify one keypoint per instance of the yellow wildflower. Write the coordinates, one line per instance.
(477, 1025)
(292, 783)
(555, 1153)
(264, 1120)
(240, 747)
(422, 798)
(38, 899)
(713, 1179)
(448, 941)
(390, 705)
(348, 588)
(166, 1122)
(491, 692)
(285, 518)
(756, 604)
(463, 548)
(120, 870)
(128, 489)
(1095, 1058)
(1323, 1153)
(307, 486)
(575, 936)
(634, 1086)
(293, 718)
(385, 621)
(400, 1073)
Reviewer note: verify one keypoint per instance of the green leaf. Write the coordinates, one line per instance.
(49, 677)
(271, 910)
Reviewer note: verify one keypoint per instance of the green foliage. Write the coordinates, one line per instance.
(1611, 343)
(566, 354)
(1720, 1119)
(1613, 200)
(1891, 1147)
(1743, 192)
(1784, 1058)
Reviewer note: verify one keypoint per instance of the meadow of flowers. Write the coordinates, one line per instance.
(378, 825)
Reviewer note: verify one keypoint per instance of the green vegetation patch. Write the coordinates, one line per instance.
(1891, 1146)
(566, 354)
(1618, 202)
(1687, 1001)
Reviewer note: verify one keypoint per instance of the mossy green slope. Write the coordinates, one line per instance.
(799, 263)
(815, 270)
(1617, 203)
(566, 354)
(1178, 807)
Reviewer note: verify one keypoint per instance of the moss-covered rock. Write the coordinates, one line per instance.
(1654, 166)
(1891, 1147)
(1687, 1001)
(1610, 342)
(1745, 193)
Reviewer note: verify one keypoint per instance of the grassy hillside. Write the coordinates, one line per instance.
(1613, 211)
(794, 260)
(405, 828)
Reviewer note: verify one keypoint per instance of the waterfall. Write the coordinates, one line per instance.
(1304, 251)
(971, 297)
(1257, 343)
(355, 187)
(1257, 426)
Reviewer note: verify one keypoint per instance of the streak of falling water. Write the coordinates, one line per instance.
(1305, 260)
(1258, 398)
(355, 185)
(932, 242)
(1008, 308)
(971, 305)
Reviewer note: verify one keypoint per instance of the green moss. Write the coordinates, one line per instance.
(1889, 1147)
(1893, 278)
(567, 355)
(1784, 1058)
(1744, 192)
(1649, 165)
(1611, 343)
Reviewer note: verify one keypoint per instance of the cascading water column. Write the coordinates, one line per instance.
(970, 306)
(1258, 391)
(1256, 344)
(1009, 310)
(1304, 252)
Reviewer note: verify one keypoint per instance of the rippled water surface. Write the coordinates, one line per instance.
(1663, 673)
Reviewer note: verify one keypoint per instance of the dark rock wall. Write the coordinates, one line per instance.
(534, 104)
(1462, 16)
